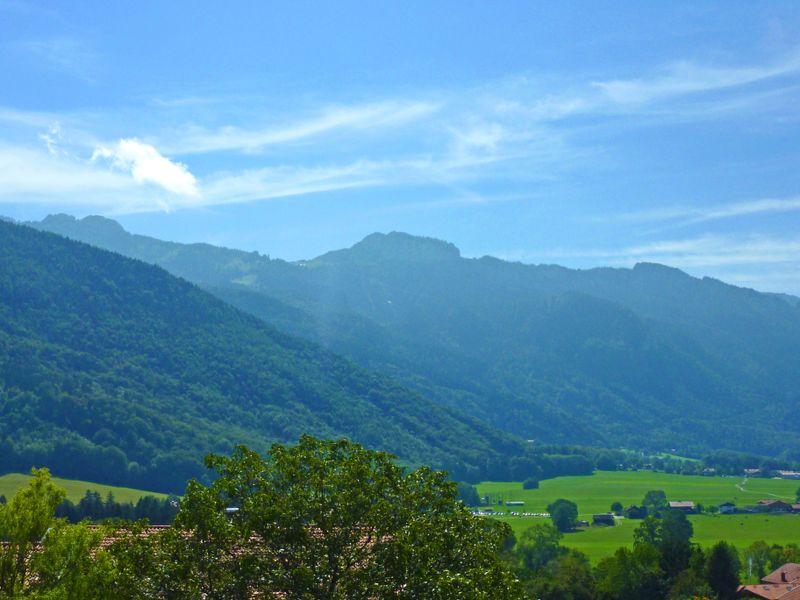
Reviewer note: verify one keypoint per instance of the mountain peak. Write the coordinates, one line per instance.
(395, 246)
(65, 224)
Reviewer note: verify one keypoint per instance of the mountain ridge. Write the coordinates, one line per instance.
(607, 356)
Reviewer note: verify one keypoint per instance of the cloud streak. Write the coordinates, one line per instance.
(686, 215)
(702, 251)
(198, 140)
(688, 78)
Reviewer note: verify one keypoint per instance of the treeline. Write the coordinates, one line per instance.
(158, 511)
(332, 519)
(734, 463)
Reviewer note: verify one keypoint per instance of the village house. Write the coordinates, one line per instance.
(603, 519)
(782, 584)
(727, 508)
(686, 506)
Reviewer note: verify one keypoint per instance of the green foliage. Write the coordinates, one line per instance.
(538, 545)
(759, 556)
(468, 494)
(24, 521)
(616, 507)
(531, 483)
(321, 519)
(655, 501)
(631, 574)
(566, 577)
(564, 514)
(722, 570)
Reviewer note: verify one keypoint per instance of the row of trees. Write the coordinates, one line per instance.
(159, 511)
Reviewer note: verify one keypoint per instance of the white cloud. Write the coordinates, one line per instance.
(147, 165)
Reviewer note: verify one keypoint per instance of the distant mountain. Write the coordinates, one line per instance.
(647, 357)
(114, 370)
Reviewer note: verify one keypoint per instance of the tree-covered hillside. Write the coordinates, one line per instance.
(113, 370)
(645, 357)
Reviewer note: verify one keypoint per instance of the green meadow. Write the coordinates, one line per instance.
(76, 489)
(596, 493)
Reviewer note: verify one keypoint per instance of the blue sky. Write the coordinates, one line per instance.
(567, 133)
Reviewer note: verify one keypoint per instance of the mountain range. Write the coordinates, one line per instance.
(114, 370)
(647, 357)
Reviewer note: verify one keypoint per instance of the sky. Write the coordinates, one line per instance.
(575, 133)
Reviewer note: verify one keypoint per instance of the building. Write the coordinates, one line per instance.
(603, 519)
(774, 506)
(782, 584)
(635, 512)
(727, 508)
(686, 506)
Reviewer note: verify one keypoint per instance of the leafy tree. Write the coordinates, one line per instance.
(655, 501)
(616, 508)
(648, 532)
(722, 570)
(531, 483)
(797, 495)
(538, 545)
(631, 574)
(758, 554)
(564, 514)
(70, 565)
(675, 546)
(24, 521)
(468, 494)
(568, 577)
(321, 519)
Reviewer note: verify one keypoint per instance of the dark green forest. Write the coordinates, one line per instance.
(113, 370)
(646, 358)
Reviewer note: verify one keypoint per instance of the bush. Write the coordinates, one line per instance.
(531, 483)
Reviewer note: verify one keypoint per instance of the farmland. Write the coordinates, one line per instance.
(594, 494)
(76, 489)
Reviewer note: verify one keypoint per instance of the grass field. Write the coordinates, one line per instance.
(9, 484)
(594, 494)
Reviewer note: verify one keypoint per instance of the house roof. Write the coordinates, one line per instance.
(791, 570)
(770, 502)
(769, 591)
(682, 504)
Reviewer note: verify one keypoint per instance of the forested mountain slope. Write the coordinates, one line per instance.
(645, 357)
(113, 370)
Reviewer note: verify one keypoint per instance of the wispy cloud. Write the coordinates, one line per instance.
(689, 78)
(198, 140)
(702, 251)
(699, 214)
(68, 55)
